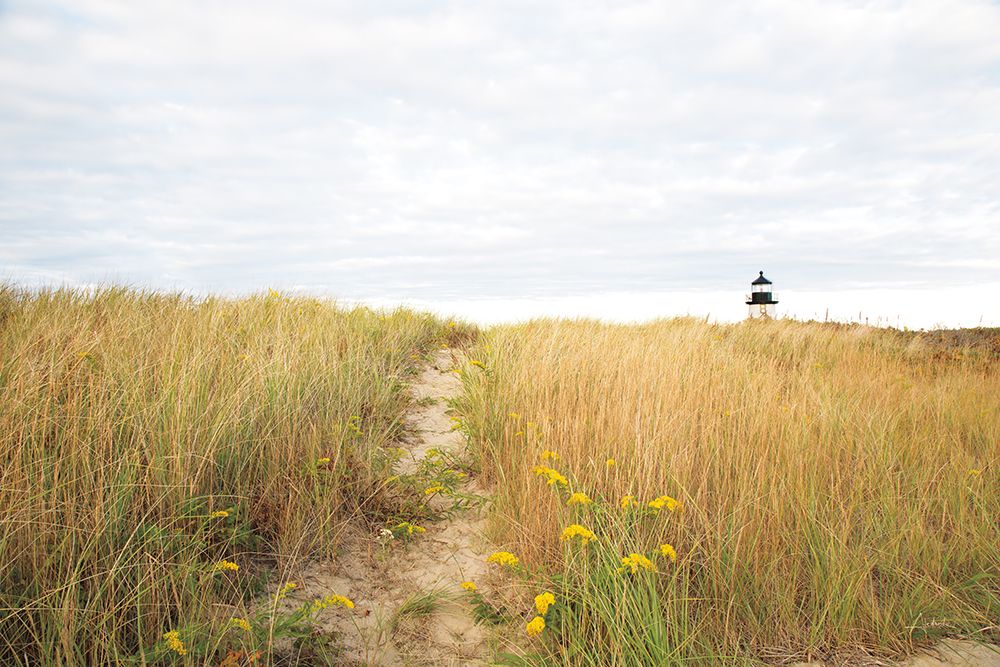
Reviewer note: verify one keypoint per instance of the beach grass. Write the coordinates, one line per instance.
(831, 491)
(165, 458)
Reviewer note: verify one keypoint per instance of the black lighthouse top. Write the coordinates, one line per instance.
(761, 291)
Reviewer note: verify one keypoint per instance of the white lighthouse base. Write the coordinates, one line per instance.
(761, 311)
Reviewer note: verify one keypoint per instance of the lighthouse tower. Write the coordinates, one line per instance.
(761, 299)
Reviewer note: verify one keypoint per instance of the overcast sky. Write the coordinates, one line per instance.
(477, 156)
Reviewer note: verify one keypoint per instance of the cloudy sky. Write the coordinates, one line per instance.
(507, 158)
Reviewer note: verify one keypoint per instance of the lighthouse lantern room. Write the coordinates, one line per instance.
(761, 299)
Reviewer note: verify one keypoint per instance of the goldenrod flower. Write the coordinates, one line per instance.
(578, 498)
(323, 461)
(219, 514)
(635, 562)
(174, 642)
(470, 586)
(669, 552)
(503, 558)
(431, 490)
(535, 626)
(627, 501)
(543, 601)
(240, 623)
(610, 463)
(476, 362)
(225, 565)
(332, 601)
(665, 501)
(553, 476)
(287, 588)
(548, 454)
(576, 530)
(410, 528)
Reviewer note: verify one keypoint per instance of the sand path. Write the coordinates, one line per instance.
(409, 605)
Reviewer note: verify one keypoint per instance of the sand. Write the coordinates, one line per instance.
(381, 575)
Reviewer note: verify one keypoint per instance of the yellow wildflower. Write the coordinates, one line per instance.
(219, 514)
(519, 434)
(635, 562)
(578, 498)
(225, 565)
(410, 528)
(503, 558)
(576, 530)
(543, 601)
(287, 588)
(553, 476)
(669, 552)
(671, 504)
(627, 501)
(470, 586)
(513, 415)
(174, 642)
(476, 362)
(240, 623)
(548, 454)
(451, 325)
(975, 472)
(332, 601)
(431, 490)
(611, 463)
(532, 425)
(535, 626)
(323, 461)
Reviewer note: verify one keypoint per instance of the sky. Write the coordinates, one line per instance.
(508, 159)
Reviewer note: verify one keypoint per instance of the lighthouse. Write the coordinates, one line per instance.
(761, 299)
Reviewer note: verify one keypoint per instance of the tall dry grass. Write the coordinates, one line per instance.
(839, 485)
(130, 422)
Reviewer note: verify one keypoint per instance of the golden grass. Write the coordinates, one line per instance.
(839, 485)
(128, 419)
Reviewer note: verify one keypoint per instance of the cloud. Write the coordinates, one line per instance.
(504, 150)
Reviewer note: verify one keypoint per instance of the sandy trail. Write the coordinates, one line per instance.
(385, 580)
